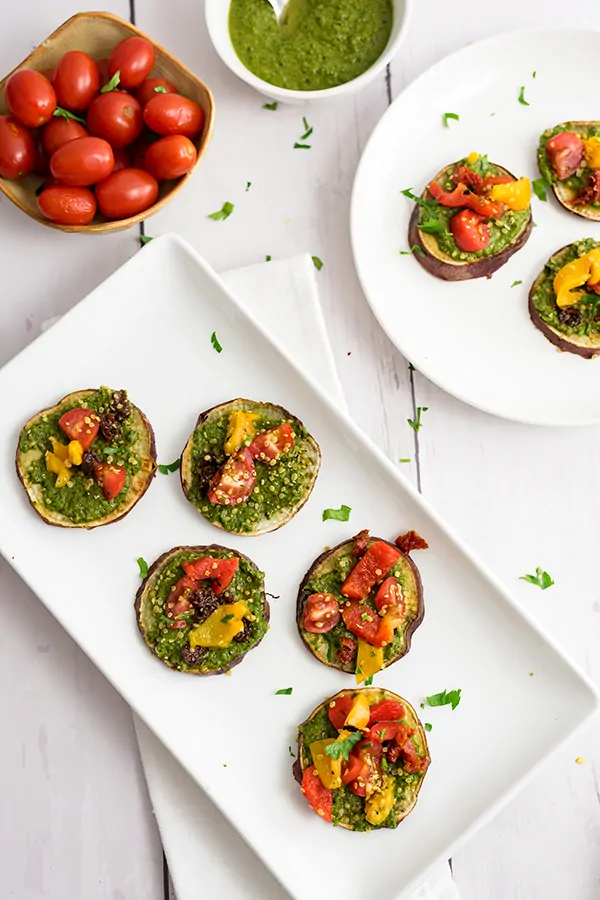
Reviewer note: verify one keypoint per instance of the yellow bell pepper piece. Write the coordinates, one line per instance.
(75, 452)
(472, 158)
(328, 769)
(594, 258)
(58, 462)
(60, 450)
(359, 714)
(514, 194)
(573, 275)
(239, 427)
(380, 803)
(219, 629)
(591, 151)
(369, 660)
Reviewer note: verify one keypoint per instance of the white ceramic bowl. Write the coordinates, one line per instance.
(217, 15)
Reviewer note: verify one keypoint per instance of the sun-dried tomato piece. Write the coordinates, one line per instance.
(412, 540)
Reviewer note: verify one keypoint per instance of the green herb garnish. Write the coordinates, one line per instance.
(222, 213)
(407, 192)
(447, 116)
(172, 467)
(307, 129)
(111, 451)
(364, 616)
(298, 146)
(422, 705)
(65, 114)
(342, 749)
(160, 89)
(112, 84)
(417, 425)
(292, 754)
(271, 106)
(534, 74)
(368, 681)
(215, 342)
(384, 764)
(428, 726)
(541, 579)
(227, 618)
(404, 460)
(145, 239)
(268, 258)
(522, 99)
(515, 283)
(318, 263)
(284, 691)
(342, 514)
(414, 249)
(143, 567)
(445, 698)
(433, 227)
(540, 186)
(336, 821)
(411, 368)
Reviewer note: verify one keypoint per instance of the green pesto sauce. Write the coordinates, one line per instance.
(81, 499)
(318, 44)
(279, 486)
(246, 584)
(544, 298)
(503, 232)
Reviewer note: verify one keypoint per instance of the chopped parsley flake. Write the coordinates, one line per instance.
(215, 342)
(384, 764)
(445, 698)
(172, 467)
(66, 115)
(364, 616)
(411, 368)
(433, 227)
(271, 106)
(540, 186)
(369, 681)
(515, 283)
(428, 726)
(160, 89)
(342, 514)
(222, 213)
(534, 74)
(268, 258)
(292, 754)
(145, 239)
(318, 263)
(248, 185)
(404, 460)
(541, 579)
(143, 567)
(522, 99)
(416, 426)
(307, 129)
(112, 84)
(341, 749)
(284, 691)
(227, 618)
(407, 192)
(298, 146)
(414, 249)
(422, 705)
(447, 116)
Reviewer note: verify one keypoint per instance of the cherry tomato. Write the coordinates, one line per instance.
(361, 620)
(234, 481)
(389, 596)
(178, 604)
(369, 570)
(60, 131)
(461, 197)
(76, 80)
(386, 710)
(220, 571)
(169, 157)
(30, 97)
(469, 231)
(116, 117)
(133, 58)
(321, 613)
(84, 161)
(80, 424)
(126, 193)
(565, 152)
(173, 114)
(319, 797)
(17, 149)
(147, 90)
(111, 479)
(122, 159)
(269, 445)
(338, 713)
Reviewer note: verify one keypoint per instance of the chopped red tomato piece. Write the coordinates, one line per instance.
(460, 196)
(389, 596)
(269, 445)
(80, 424)
(219, 571)
(387, 626)
(369, 570)
(411, 760)
(110, 478)
(361, 620)
(339, 711)
(565, 152)
(386, 711)
(321, 613)
(363, 766)
(319, 797)
(390, 731)
(177, 603)
(234, 481)
(469, 231)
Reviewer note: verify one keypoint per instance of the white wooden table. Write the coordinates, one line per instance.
(75, 819)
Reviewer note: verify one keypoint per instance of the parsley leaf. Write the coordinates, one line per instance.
(160, 89)
(534, 74)
(298, 146)
(384, 764)
(143, 567)
(172, 467)
(227, 618)
(522, 99)
(284, 691)
(268, 258)
(368, 681)
(222, 213)
(445, 698)
(407, 192)
(404, 460)
(318, 263)
(433, 227)
(341, 749)
(113, 84)
(342, 514)
(271, 106)
(416, 426)
(292, 754)
(248, 186)
(428, 726)
(215, 342)
(515, 283)
(541, 579)
(448, 116)
(66, 115)
(414, 249)
(540, 186)
(145, 239)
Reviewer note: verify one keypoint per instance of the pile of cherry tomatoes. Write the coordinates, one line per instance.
(103, 134)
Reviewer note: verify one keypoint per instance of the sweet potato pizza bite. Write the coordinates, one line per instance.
(359, 604)
(362, 757)
(470, 219)
(202, 609)
(569, 161)
(249, 467)
(88, 460)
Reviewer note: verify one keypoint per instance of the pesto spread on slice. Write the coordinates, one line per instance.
(571, 278)
(317, 44)
(201, 609)
(362, 759)
(569, 155)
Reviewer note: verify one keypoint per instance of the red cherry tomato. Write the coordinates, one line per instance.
(147, 90)
(172, 114)
(321, 613)
(565, 152)
(234, 481)
(67, 205)
(269, 445)
(133, 58)
(220, 571)
(361, 620)
(169, 157)
(122, 159)
(84, 161)
(460, 196)
(126, 193)
(178, 604)
(469, 231)
(111, 479)
(80, 424)
(338, 713)
(76, 80)
(386, 711)
(30, 97)
(319, 797)
(116, 117)
(370, 569)
(60, 131)
(389, 596)
(17, 149)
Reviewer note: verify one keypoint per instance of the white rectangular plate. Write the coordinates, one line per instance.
(232, 734)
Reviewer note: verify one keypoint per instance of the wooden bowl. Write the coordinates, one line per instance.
(97, 33)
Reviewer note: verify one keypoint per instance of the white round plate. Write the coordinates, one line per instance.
(475, 338)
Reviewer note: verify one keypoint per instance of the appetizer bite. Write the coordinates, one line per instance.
(362, 757)
(564, 299)
(569, 160)
(201, 609)
(249, 467)
(88, 460)
(359, 604)
(470, 219)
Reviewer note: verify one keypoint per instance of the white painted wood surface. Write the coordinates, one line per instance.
(75, 820)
